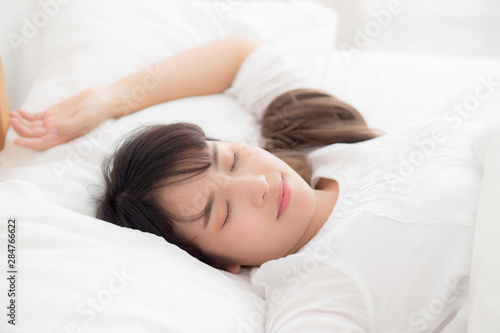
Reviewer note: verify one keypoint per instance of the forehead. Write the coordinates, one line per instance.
(189, 195)
(187, 198)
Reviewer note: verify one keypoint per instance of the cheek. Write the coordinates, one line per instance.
(304, 199)
(247, 229)
(306, 204)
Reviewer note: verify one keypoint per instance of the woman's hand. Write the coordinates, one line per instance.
(62, 122)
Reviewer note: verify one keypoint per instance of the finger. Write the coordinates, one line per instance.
(26, 131)
(31, 116)
(25, 128)
(28, 123)
(41, 143)
(15, 114)
(33, 124)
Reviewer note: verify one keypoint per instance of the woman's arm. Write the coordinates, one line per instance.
(207, 69)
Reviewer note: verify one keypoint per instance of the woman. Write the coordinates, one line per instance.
(376, 235)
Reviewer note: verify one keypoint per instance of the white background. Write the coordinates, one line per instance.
(436, 27)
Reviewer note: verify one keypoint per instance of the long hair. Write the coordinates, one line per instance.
(160, 156)
(307, 118)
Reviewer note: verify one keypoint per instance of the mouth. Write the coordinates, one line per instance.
(284, 195)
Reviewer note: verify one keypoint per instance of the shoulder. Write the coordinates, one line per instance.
(267, 72)
(245, 44)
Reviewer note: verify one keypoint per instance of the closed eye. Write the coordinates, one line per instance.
(236, 159)
(228, 215)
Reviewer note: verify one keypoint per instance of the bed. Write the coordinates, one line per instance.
(75, 273)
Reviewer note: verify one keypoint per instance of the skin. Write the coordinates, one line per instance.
(253, 234)
(203, 70)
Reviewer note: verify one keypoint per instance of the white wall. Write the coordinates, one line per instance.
(468, 28)
(436, 27)
(16, 43)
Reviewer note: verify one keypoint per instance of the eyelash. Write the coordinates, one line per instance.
(229, 208)
(228, 216)
(236, 160)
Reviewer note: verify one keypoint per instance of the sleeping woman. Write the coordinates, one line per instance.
(346, 230)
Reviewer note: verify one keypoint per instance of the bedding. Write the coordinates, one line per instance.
(76, 273)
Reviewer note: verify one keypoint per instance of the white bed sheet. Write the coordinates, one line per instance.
(66, 256)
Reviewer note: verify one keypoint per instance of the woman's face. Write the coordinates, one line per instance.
(255, 207)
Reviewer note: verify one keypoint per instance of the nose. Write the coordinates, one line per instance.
(253, 187)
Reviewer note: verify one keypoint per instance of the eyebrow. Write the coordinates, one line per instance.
(210, 202)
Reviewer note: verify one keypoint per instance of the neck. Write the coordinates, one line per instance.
(326, 192)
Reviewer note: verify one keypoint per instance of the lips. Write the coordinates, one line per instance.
(284, 195)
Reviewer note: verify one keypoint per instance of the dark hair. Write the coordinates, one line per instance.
(150, 159)
(160, 156)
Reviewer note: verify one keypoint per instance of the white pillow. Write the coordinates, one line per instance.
(75, 272)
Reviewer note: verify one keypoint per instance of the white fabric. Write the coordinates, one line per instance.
(92, 42)
(483, 312)
(267, 73)
(395, 254)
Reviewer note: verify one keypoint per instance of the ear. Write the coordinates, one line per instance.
(232, 268)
